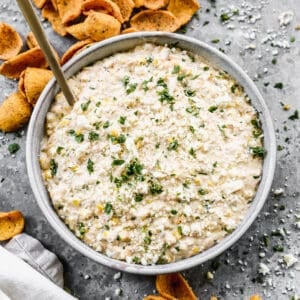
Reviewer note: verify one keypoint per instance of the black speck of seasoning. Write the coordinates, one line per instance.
(274, 61)
(278, 85)
(205, 23)
(294, 116)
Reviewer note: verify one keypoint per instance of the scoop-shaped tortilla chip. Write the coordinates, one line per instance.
(11, 224)
(154, 20)
(78, 31)
(129, 30)
(152, 4)
(74, 49)
(174, 287)
(31, 41)
(15, 112)
(126, 8)
(154, 297)
(10, 41)
(101, 26)
(13, 67)
(33, 82)
(49, 13)
(39, 3)
(69, 10)
(104, 6)
(183, 10)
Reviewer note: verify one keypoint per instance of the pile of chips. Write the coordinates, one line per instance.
(30, 68)
(101, 19)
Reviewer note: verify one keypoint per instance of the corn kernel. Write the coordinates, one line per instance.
(197, 181)
(196, 250)
(99, 208)
(105, 234)
(76, 202)
(64, 122)
(48, 174)
(286, 107)
(115, 221)
(114, 133)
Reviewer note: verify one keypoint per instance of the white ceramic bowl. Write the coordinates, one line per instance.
(123, 43)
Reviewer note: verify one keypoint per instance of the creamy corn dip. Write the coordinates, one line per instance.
(158, 159)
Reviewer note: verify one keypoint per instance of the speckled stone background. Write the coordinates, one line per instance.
(270, 53)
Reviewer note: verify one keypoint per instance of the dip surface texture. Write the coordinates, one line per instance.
(158, 160)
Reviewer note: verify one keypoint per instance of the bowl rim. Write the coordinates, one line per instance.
(34, 171)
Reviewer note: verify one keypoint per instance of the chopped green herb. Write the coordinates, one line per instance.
(278, 248)
(147, 240)
(157, 145)
(215, 164)
(138, 197)
(97, 125)
(98, 104)
(85, 106)
(145, 84)
(192, 152)
(192, 129)
(279, 148)
(161, 82)
(90, 166)
(180, 77)
(294, 116)
(81, 228)
(155, 188)
(278, 85)
(189, 93)
(79, 138)
(59, 149)
(233, 88)
(274, 61)
(174, 212)
(71, 132)
(126, 80)
(134, 168)
(93, 136)
(258, 151)
(202, 192)
(122, 120)
(53, 167)
(266, 240)
(212, 108)
(131, 88)
(206, 68)
(176, 69)
(292, 39)
(224, 17)
(13, 148)
(118, 140)
(173, 145)
(106, 124)
(117, 162)
(215, 41)
(108, 208)
(179, 229)
(149, 60)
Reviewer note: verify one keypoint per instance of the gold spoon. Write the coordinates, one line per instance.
(36, 27)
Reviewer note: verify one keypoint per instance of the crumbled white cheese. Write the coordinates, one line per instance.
(286, 18)
(278, 191)
(289, 260)
(117, 276)
(263, 269)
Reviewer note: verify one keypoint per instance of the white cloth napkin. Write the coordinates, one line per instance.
(23, 280)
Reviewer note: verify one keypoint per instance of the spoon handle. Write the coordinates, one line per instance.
(35, 25)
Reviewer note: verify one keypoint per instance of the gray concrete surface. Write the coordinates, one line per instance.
(270, 54)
